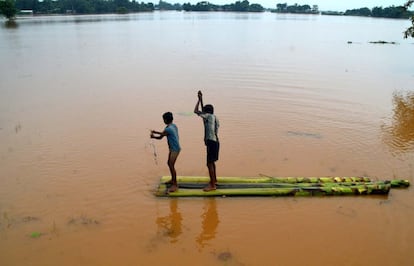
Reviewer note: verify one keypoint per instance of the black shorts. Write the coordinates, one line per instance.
(213, 148)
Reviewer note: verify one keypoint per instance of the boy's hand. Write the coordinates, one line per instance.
(200, 95)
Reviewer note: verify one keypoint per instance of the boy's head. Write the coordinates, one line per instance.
(208, 108)
(168, 117)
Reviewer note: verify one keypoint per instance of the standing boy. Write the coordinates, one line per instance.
(171, 131)
(211, 125)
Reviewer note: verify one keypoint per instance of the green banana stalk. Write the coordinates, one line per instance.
(395, 183)
(362, 189)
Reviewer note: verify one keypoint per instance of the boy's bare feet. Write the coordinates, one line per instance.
(209, 188)
(173, 188)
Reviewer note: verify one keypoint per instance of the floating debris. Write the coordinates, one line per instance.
(17, 128)
(224, 256)
(82, 220)
(7, 221)
(382, 42)
(28, 219)
(304, 134)
(346, 212)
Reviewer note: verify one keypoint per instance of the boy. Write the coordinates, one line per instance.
(211, 125)
(171, 131)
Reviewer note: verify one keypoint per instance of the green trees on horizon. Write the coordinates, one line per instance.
(8, 9)
(238, 6)
(296, 9)
(119, 6)
(380, 12)
(83, 6)
(162, 5)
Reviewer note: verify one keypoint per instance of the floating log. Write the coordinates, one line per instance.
(278, 185)
(190, 186)
(395, 183)
(363, 189)
(268, 179)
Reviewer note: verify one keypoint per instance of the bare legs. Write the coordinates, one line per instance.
(213, 178)
(172, 157)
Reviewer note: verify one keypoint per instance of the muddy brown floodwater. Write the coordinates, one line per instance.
(78, 96)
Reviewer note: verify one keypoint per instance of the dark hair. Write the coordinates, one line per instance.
(208, 108)
(168, 117)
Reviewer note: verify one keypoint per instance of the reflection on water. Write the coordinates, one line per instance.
(400, 134)
(210, 221)
(84, 18)
(11, 24)
(170, 225)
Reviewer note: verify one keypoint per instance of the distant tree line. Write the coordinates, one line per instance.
(380, 12)
(10, 7)
(162, 5)
(83, 6)
(296, 9)
(238, 6)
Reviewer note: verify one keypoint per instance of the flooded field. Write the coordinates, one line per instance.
(79, 95)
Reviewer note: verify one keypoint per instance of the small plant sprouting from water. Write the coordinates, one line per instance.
(35, 234)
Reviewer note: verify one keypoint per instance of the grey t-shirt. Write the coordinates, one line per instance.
(211, 125)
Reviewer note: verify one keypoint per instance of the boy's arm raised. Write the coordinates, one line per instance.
(200, 101)
(200, 97)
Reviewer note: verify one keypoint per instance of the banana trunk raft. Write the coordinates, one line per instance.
(192, 186)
